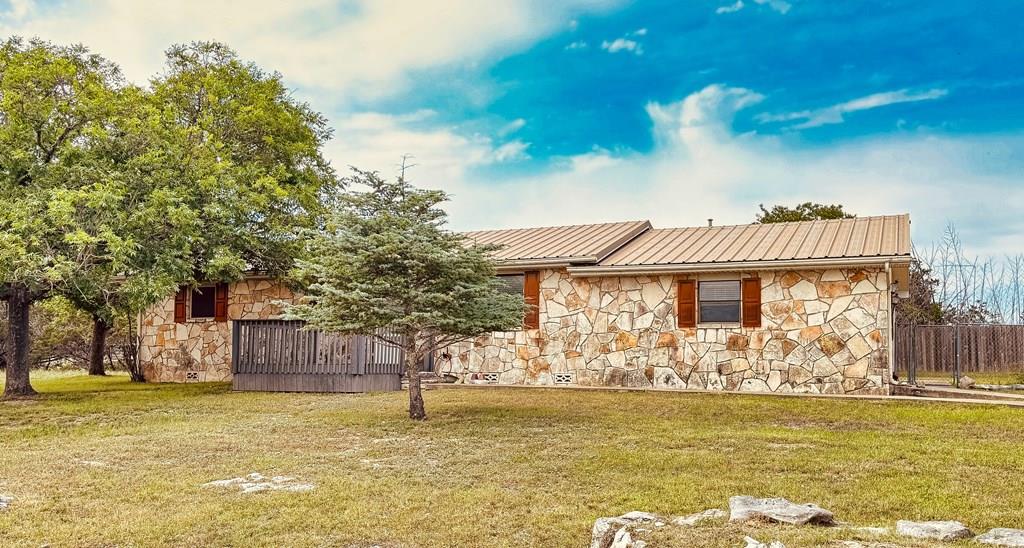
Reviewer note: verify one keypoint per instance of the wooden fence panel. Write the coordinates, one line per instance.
(278, 347)
(982, 348)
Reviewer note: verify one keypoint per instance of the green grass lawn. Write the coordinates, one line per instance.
(501, 467)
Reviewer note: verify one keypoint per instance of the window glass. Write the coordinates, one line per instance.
(203, 302)
(513, 283)
(719, 301)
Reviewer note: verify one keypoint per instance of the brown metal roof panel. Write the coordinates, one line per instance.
(873, 237)
(795, 241)
(689, 253)
(775, 250)
(814, 233)
(755, 237)
(712, 250)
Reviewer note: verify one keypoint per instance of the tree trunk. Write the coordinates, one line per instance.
(99, 345)
(18, 303)
(417, 411)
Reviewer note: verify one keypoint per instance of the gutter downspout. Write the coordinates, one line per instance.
(892, 325)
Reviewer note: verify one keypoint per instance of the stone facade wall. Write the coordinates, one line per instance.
(822, 332)
(200, 349)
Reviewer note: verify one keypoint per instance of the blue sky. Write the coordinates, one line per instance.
(543, 113)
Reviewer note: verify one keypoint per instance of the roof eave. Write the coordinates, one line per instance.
(598, 270)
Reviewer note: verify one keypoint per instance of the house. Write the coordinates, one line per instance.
(787, 307)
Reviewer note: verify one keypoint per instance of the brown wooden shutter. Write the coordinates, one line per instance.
(220, 303)
(179, 305)
(686, 303)
(531, 293)
(751, 302)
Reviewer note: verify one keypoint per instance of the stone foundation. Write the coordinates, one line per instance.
(821, 332)
(200, 349)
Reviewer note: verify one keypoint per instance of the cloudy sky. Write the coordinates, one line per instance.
(546, 112)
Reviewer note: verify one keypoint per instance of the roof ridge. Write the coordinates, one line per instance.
(635, 221)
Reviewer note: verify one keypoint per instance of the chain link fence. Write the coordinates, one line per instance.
(991, 355)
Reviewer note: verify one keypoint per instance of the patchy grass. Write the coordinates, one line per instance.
(499, 467)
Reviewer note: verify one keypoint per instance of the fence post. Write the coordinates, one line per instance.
(235, 340)
(956, 357)
(912, 362)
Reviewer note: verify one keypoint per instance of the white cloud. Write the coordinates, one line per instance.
(577, 45)
(780, 6)
(731, 8)
(626, 43)
(622, 44)
(700, 168)
(359, 49)
(834, 114)
(512, 127)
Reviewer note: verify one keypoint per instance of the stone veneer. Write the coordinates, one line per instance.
(200, 349)
(822, 332)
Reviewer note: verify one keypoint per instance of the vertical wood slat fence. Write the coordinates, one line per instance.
(960, 348)
(278, 355)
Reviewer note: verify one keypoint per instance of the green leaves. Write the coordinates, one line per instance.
(385, 260)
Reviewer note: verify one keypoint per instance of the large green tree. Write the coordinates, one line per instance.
(224, 166)
(54, 106)
(386, 267)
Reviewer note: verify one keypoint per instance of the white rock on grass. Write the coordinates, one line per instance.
(694, 519)
(744, 508)
(608, 532)
(933, 530)
(754, 543)
(1002, 536)
(5, 501)
(256, 482)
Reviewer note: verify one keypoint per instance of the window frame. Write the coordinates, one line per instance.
(738, 301)
(202, 290)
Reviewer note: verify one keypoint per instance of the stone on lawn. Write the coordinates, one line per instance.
(754, 543)
(966, 382)
(933, 530)
(744, 508)
(256, 482)
(608, 531)
(1001, 536)
(5, 501)
(694, 519)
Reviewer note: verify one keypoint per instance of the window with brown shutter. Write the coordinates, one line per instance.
(220, 305)
(686, 303)
(751, 302)
(531, 293)
(179, 305)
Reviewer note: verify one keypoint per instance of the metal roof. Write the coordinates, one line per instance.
(576, 244)
(857, 238)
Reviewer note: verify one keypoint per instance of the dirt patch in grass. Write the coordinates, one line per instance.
(491, 467)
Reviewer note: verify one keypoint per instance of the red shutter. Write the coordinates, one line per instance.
(686, 303)
(220, 303)
(751, 302)
(179, 305)
(531, 293)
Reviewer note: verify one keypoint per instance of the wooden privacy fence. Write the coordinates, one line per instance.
(960, 348)
(278, 355)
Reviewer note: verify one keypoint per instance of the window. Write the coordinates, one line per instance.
(204, 302)
(513, 283)
(719, 301)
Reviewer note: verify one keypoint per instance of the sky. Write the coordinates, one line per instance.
(540, 113)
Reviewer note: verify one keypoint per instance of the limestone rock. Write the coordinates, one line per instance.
(1002, 537)
(694, 519)
(933, 530)
(966, 382)
(745, 508)
(610, 532)
(256, 482)
(5, 501)
(754, 543)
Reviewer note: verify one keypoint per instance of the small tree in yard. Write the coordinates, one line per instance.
(385, 264)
